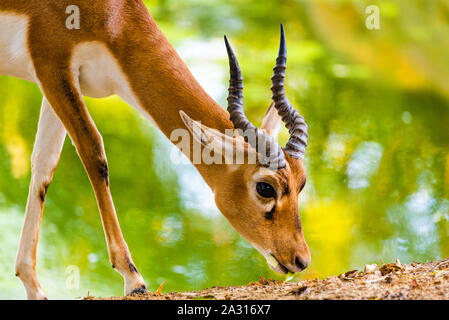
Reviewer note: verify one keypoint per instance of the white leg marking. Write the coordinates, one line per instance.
(47, 149)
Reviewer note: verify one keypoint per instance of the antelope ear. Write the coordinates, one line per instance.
(223, 144)
(272, 122)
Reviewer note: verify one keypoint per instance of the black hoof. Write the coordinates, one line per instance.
(141, 290)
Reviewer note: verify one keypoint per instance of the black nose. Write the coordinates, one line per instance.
(301, 264)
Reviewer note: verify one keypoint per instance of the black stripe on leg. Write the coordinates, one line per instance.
(43, 192)
(131, 265)
(69, 90)
(104, 172)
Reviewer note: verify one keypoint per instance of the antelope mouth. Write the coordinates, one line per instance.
(276, 266)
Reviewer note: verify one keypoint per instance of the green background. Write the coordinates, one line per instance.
(377, 105)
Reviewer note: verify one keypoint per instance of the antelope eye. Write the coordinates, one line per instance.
(265, 190)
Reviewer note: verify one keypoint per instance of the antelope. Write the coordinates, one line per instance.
(119, 49)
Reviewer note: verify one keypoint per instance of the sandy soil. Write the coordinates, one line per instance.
(389, 281)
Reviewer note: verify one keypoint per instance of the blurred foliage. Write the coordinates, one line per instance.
(377, 104)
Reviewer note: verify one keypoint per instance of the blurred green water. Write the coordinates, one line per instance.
(377, 104)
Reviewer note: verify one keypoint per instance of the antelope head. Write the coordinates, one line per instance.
(260, 199)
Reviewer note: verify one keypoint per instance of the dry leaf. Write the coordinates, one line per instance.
(390, 268)
(159, 290)
(300, 291)
(352, 274)
(262, 281)
(371, 268)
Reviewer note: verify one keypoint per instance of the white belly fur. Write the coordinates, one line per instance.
(99, 73)
(14, 56)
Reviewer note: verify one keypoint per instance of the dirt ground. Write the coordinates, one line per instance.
(386, 282)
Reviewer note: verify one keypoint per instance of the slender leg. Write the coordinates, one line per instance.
(62, 91)
(47, 149)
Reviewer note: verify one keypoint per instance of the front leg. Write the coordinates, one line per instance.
(62, 91)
